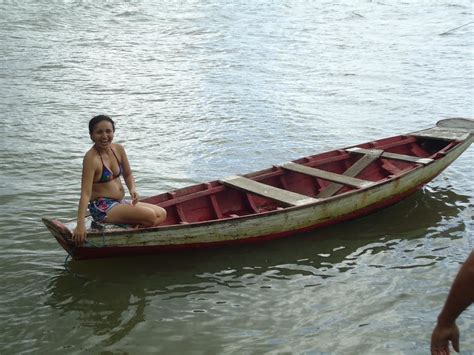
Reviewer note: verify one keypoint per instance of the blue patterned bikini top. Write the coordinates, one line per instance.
(108, 175)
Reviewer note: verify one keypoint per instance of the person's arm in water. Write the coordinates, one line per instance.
(79, 234)
(128, 176)
(461, 295)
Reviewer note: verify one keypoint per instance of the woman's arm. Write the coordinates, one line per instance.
(79, 234)
(461, 294)
(459, 298)
(128, 176)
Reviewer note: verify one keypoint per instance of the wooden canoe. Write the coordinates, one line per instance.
(293, 197)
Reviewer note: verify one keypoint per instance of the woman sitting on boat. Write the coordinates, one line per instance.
(101, 188)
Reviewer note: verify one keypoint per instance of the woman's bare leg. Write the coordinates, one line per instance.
(160, 212)
(138, 214)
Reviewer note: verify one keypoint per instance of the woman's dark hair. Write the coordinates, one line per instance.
(97, 119)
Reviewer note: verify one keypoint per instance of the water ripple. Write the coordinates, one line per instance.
(201, 90)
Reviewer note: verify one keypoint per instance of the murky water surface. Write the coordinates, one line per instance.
(205, 89)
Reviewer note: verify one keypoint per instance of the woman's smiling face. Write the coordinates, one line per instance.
(103, 134)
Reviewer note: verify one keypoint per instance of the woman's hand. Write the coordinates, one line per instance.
(79, 235)
(442, 335)
(134, 195)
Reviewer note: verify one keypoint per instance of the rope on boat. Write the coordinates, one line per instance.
(456, 28)
(88, 243)
(65, 263)
(71, 272)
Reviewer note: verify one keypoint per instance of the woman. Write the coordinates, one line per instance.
(101, 188)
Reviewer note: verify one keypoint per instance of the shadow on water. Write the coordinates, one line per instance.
(111, 295)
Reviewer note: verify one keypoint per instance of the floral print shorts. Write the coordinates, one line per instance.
(99, 207)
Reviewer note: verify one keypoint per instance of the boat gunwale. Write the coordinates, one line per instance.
(376, 184)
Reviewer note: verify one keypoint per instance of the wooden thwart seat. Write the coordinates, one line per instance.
(327, 175)
(394, 156)
(339, 180)
(271, 192)
(354, 170)
(445, 132)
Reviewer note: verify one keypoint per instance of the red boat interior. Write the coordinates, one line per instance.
(302, 181)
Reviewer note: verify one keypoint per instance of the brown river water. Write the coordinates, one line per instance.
(205, 89)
